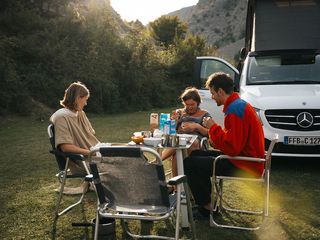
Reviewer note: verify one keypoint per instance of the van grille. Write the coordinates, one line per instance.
(288, 119)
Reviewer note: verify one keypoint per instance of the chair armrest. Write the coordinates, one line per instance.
(204, 144)
(72, 156)
(177, 180)
(89, 178)
(239, 158)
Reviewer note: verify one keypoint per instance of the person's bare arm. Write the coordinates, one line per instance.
(194, 127)
(66, 147)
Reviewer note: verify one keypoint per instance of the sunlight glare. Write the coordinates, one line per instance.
(148, 10)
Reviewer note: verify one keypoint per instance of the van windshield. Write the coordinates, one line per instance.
(284, 69)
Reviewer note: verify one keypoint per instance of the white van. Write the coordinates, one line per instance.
(280, 75)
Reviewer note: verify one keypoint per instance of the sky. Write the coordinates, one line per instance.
(148, 10)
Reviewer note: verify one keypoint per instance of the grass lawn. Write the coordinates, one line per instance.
(28, 181)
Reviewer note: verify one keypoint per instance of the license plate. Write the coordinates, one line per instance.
(311, 141)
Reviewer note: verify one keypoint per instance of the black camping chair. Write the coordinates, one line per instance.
(63, 160)
(130, 184)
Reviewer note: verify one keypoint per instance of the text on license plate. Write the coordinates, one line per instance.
(302, 140)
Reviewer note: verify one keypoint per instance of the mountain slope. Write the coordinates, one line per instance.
(221, 22)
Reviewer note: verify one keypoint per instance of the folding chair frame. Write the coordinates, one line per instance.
(102, 204)
(204, 144)
(63, 160)
(264, 180)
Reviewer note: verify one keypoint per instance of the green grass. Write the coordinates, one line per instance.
(28, 179)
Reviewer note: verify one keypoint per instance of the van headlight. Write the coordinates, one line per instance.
(258, 112)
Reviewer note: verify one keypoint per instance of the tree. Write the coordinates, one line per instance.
(167, 29)
(183, 57)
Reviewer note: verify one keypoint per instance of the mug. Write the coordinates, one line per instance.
(174, 139)
(165, 141)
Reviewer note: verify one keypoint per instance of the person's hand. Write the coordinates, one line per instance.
(189, 126)
(175, 115)
(208, 122)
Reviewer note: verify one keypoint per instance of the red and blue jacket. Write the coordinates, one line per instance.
(242, 134)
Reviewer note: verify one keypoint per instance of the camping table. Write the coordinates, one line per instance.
(180, 150)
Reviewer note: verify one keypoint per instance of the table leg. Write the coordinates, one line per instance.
(184, 210)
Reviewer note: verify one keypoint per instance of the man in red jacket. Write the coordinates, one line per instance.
(242, 135)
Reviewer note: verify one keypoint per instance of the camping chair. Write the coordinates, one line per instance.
(130, 184)
(204, 144)
(63, 160)
(263, 180)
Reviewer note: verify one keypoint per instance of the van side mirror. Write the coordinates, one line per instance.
(236, 81)
(243, 54)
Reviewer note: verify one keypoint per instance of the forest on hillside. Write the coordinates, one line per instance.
(47, 44)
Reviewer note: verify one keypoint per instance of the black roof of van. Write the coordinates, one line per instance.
(283, 24)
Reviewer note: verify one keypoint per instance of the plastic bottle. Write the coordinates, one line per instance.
(163, 118)
(166, 127)
(173, 126)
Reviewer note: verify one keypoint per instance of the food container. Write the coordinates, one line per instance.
(154, 142)
(182, 141)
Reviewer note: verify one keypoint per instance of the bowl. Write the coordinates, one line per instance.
(152, 141)
(137, 139)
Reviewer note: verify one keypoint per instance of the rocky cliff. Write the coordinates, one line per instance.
(221, 22)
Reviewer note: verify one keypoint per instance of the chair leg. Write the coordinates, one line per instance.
(220, 194)
(96, 227)
(193, 228)
(58, 202)
(178, 212)
(267, 196)
(57, 214)
(217, 189)
(218, 205)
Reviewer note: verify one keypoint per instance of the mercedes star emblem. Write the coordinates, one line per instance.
(304, 119)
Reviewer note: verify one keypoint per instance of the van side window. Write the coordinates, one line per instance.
(209, 67)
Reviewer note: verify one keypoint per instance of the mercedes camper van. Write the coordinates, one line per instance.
(280, 74)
